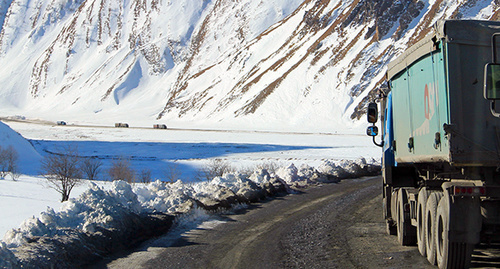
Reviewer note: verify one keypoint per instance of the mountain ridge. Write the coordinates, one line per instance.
(277, 65)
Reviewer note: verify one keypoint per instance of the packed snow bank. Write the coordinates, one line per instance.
(7, 258)
(94, 208)
(29, 158)
(100, 221)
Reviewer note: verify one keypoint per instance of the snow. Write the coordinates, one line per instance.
(190, 150)
(28, 157)
(200, 64)
(30, 209)
(213, 58)
(89, 79)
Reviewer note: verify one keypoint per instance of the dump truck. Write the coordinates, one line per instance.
(440, 139)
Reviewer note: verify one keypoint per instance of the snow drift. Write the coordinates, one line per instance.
(100, 221)
(29, 158)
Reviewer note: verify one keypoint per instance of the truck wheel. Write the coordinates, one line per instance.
(423, 195)
(430, 216)
(390, 226)
(449, 254)
(406, 232)
(394, 209)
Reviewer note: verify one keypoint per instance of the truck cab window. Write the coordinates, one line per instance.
(492, 81)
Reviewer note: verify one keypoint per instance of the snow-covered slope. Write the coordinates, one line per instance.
(28, 158)
(302, 65)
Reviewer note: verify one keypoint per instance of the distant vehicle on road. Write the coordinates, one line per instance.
(61, 122)
(121, 125)
(160, 126)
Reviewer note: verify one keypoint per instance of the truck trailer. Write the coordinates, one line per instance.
(440, 142)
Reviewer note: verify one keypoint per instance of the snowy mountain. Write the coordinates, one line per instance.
(301, 65)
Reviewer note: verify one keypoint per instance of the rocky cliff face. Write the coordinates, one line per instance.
(291, 64)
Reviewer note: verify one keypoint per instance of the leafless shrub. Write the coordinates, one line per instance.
(62, 171)
(247, 170)
(3, 163)
(215, 168)
(8, 162)
(172, 172)
(14, 175)
(145, 175)
(91, 167)
(121, 169)
(271, 167)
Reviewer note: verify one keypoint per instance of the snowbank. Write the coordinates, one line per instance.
(94, 208)
(100, 221)
(7, 258)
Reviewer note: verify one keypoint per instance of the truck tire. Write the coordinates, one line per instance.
(449, 254)
(390, 226)
(423, 195)
(394, 209)
(406, 232)
(430, 217)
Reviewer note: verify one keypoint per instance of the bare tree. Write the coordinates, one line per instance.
(12, 157)
(62, 171)
(122, 170)
(145, 175)
(91, 167)
(3, 163)
(215, 168)
(8, 162)
(172, 172)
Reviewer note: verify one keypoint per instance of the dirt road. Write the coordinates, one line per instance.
(330, 226)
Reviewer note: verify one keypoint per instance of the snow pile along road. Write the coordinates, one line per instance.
(100, 222)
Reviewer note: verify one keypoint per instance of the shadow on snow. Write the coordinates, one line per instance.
(160, 158)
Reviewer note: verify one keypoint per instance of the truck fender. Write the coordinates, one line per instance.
(464, 216)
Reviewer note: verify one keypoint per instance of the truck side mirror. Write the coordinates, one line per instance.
(373, 112)
(492, 81)
(372, 130)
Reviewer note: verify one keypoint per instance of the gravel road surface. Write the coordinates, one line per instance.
(329, 226)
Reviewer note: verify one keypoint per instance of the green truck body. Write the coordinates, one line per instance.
(438, 98)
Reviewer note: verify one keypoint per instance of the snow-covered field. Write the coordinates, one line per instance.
(185, 151)
(189, 150)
